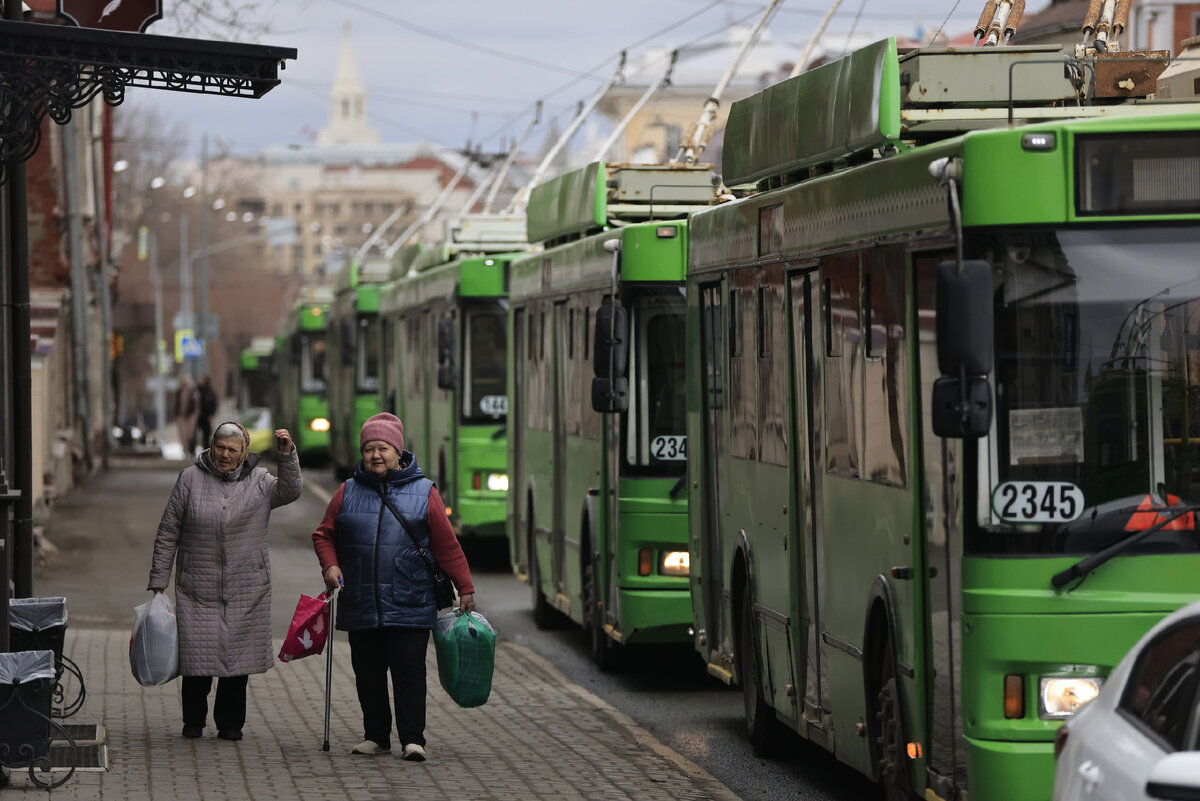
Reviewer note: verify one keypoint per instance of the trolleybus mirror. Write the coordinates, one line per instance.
(964, 318)
(609, 396)
(447, 377)
(962, 407)
(445, 340)
(962, 397)
(349, 342)
(611, 342)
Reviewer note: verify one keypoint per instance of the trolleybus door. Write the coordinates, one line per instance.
(558, 426)
(805, 610)
(712, 573)
(517, 513)
(942, 516)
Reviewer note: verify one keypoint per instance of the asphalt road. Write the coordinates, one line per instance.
(102, 538)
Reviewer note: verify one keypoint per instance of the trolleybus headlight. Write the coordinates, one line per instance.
(674, 563)
(497, 482)
(1061, 696)
(319, 424)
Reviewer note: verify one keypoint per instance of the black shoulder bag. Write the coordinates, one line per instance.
(443, 590)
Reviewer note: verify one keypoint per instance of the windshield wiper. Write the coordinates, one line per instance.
(1085, 566)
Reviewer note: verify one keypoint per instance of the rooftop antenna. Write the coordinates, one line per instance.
(645, 98)
(512, 155)
(802, 62)
(429, 213)
(521, 199)
(697, 139)
(999, 21)
(1104, 22)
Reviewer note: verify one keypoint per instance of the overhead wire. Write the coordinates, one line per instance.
(472, 46)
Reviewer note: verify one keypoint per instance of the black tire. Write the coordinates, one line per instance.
(760, 718)
(605, 653)
(543, 613)
(889, 734)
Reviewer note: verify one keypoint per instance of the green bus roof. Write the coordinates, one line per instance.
(878, 100)
(586, 199)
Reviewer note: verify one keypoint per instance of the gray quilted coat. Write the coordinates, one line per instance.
(214, 530)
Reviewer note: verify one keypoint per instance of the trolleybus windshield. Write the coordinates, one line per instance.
(655, 424)
(484, 392)
(1097, 382)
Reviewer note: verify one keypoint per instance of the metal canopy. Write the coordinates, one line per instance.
(52, 69)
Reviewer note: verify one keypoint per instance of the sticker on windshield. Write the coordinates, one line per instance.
(1037, 502)
(669, 449)
(494, 404)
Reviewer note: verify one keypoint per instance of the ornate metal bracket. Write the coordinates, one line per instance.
(52, 69)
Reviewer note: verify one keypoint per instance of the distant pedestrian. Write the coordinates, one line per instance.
(208, 409)
(378, 528)
(214, 531)
(187, 413)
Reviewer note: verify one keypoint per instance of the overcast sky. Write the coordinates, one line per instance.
(445, 71)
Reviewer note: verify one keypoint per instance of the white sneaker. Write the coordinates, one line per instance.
(413, 753)
(370, 748)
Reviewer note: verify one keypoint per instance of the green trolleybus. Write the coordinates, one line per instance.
(354, 366)
(943, 369)
(445, 320)
(597, 513)
(300, 359)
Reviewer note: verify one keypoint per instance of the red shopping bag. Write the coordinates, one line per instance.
(310, 628)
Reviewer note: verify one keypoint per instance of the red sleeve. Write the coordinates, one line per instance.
(325, 537)
(447, 551)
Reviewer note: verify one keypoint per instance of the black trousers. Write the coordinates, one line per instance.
(229, 708)
(373, 652)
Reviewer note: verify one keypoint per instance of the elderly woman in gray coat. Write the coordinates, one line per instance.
(214, 530)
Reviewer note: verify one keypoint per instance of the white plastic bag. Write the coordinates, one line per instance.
(154, 645)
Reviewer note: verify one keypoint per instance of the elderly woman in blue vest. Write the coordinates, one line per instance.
(373, 541)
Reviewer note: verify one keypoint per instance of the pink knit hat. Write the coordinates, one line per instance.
(384, 427)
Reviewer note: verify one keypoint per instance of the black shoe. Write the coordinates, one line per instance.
(193, 731)
(230, 734)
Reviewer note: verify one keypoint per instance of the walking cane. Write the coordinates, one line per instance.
(329, 662)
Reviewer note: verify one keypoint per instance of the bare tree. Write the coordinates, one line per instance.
(237, 20)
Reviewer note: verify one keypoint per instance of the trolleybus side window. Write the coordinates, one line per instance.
(772, 367)
(885, 392)
(843, 389)
(743, 437)
(591, 421)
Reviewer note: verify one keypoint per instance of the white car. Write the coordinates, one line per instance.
(1140, 737)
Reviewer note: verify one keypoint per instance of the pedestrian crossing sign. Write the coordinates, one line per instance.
(187, 345)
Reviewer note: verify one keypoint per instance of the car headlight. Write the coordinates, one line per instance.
(1061, 696)
(319, 424)
(497, 482)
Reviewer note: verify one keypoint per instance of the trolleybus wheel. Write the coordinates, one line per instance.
(759, 716)
(889, 734)
(605, 653)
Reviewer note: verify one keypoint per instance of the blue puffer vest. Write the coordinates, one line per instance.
(387, 582)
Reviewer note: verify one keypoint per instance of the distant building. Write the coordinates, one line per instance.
(338, 191)
(1153, 25)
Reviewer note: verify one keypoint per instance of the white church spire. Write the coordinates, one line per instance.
(348, 122)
